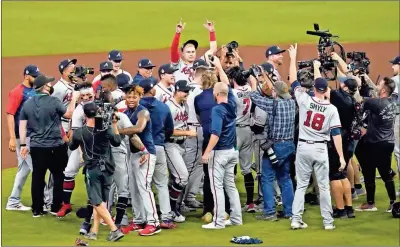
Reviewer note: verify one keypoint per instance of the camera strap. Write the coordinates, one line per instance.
(270, 130)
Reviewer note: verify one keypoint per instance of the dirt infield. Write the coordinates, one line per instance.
(379, 53)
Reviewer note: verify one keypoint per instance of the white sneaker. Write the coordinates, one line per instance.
(228, 222)
(178, 217)
(18, 207)
(212, 226)
(330, 227)
(398, 193)
(298, 225)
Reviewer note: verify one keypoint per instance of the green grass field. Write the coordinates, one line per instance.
(47, 28)
(80, 27)
(368, 228)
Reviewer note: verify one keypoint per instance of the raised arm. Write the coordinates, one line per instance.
(175, 42)
(292, 66)
(218, 67)
(342, 65)
(213, 40)
(317, 73)
(143, 118)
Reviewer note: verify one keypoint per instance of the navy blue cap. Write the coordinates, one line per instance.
(396, 60)
(122, 80)
(107, 65)
(166, 69)
(115, 55)
(349, 82)
(145, 63)
(268, 68)
(31, 70)
(65, 63)
(190, 41)
(273, 50)
(200, 63)
(147, 84)
(321, 84)
(183, 86)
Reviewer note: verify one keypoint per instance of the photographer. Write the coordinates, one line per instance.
(349, 112)
(99, 167)
(279, 147)
(378, 139)
(42, 115)
(229, 56)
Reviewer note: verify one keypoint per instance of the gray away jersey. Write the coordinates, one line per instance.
(179, 116)
(316, 117)
(122, 123)
(259, 118)
(163, 94)
(243, 103)
(63, 91)
(190, 102)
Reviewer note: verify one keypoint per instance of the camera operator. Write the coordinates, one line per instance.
(379, 139)
(349, 110)
(42, 115)
(279, 147)
(274, 56)
(99, 167)
(396, 78)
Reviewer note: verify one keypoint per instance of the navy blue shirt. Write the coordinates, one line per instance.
(223, 125)
(161, 119)
(138, 77)
(203, 104)
(146, 136)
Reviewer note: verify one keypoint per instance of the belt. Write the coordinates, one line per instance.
(312, 142)
(176, 141)
(282, 140)
(194, 124)
(242, 125)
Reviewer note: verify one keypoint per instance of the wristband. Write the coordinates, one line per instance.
(212, 36)
(22, 145)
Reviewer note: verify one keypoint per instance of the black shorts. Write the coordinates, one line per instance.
(98, 185)
(334, 161)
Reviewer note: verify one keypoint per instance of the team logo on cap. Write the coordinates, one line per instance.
(162, 71)
(106, 65)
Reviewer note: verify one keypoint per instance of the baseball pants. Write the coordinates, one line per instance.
(397, 142)
(143, 202)
(176, 163)
(309, 158)
(192, 157)
(160, 180)
(24, 168)
(221, 166)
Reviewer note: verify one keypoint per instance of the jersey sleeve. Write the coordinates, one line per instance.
(299, 93)
(335, 119)
(217, 117)
(14, 100)
(23, 115)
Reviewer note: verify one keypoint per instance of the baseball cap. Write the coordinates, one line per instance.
(200, 63)
(268, 68)
(90, 109)
(321, 84)
(351, 84)
(282, 90)
(115, 55)
(190, 41)
(42, 80)
(166, 69)
(182, 85)
(273, 50)
(122, 80)
(396, 60)
(145, 63)
(65, 63)
(107, 65)
(147, 84)
(31, 70)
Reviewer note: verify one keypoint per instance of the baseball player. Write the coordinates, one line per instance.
(174, 147)
(74, 160)
(162, 129)
(274, 56)
(16, 99)
(115, 57)
(241, 92)
(318, 121)
(193, 145)
(222, 158)
(106, 68)
(141, 170)
(184, 61)
(164, 88)
(145, 70)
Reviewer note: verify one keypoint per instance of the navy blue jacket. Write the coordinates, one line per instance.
(161, 119)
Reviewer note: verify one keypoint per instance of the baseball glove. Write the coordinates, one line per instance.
(80, 242)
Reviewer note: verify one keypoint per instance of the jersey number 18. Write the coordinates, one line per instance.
(316, 122)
